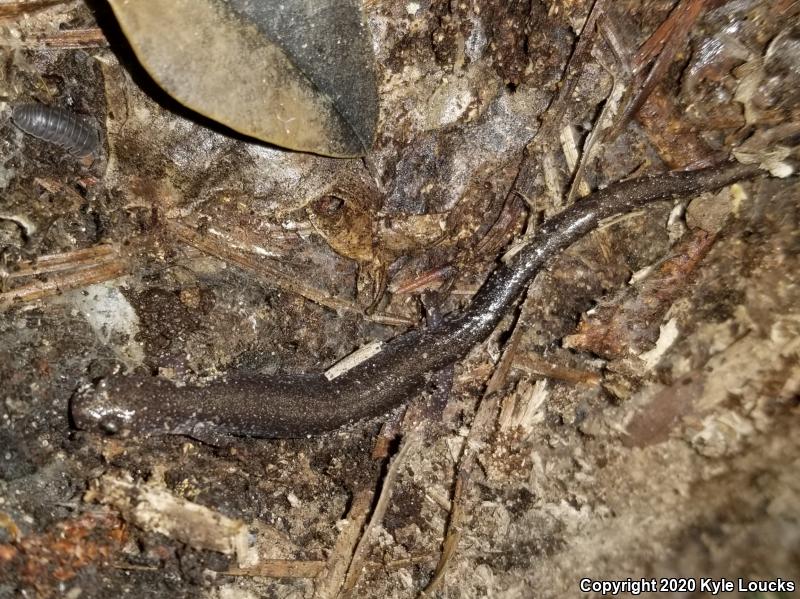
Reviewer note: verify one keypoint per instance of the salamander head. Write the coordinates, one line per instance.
(122, 405)
(93, 409)
(119, 406)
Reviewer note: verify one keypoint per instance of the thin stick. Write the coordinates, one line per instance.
(360, 554)
(333, 576)
(15, 9)
(539, 148)
(425, 279)
(66, 261)
(481, 425)
(280, 568)
(63, 283)
(541, 367)
(579, 57)
(666, 41)
(63, 40)
(452, 538)
(605, 120)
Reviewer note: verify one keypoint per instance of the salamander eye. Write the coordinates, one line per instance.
(110, 424)
(94, 409)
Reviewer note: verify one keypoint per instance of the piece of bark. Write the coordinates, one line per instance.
(157, 510)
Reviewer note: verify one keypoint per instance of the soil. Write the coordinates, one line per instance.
(641, 400)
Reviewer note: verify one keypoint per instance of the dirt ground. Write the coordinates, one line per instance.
(632, 418)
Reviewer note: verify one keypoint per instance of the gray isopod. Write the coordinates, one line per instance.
(57, 126)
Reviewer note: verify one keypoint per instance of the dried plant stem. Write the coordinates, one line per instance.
(10, 10)
(482, 424)
(51, 263)
(538, 366)
(662, 47)
(359, 555)
(334, 574)
(281, 568)
(70, 39)
(70, 270)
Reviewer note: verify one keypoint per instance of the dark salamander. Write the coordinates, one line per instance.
(296, 405)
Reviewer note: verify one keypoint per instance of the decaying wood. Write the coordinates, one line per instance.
(482, 426)
(714, 415)
(538, 366)
(542, 147)
(629, 325)
(48, 560)
(16, 8)
(156, 509)
(677, 143)
(662, 47)
(50, 263)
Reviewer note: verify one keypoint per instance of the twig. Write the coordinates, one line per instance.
(450, 543)
(360, 553)
(280, 568)
(503, 228)
(485, 416)
(539, 148)
(66, 261)
(655, 44)
(63, 283)
(344, 551)
(498, 378)
(15, 9)
(579, 57)
(424, 280)
(541, 367)
(664, 45)
(334, 574)
(63, 40)
(604, 121)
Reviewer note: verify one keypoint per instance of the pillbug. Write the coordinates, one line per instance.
(57, 126)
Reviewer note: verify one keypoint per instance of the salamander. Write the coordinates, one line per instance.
(297, 405)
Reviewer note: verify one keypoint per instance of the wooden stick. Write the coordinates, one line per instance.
(63, 283)
(360, 553)
(63, 40)
(76, 259)
(280, 568)
(536, 365)
(333, 576)
(11, 10)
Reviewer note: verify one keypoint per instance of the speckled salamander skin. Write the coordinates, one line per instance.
(289, 406)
